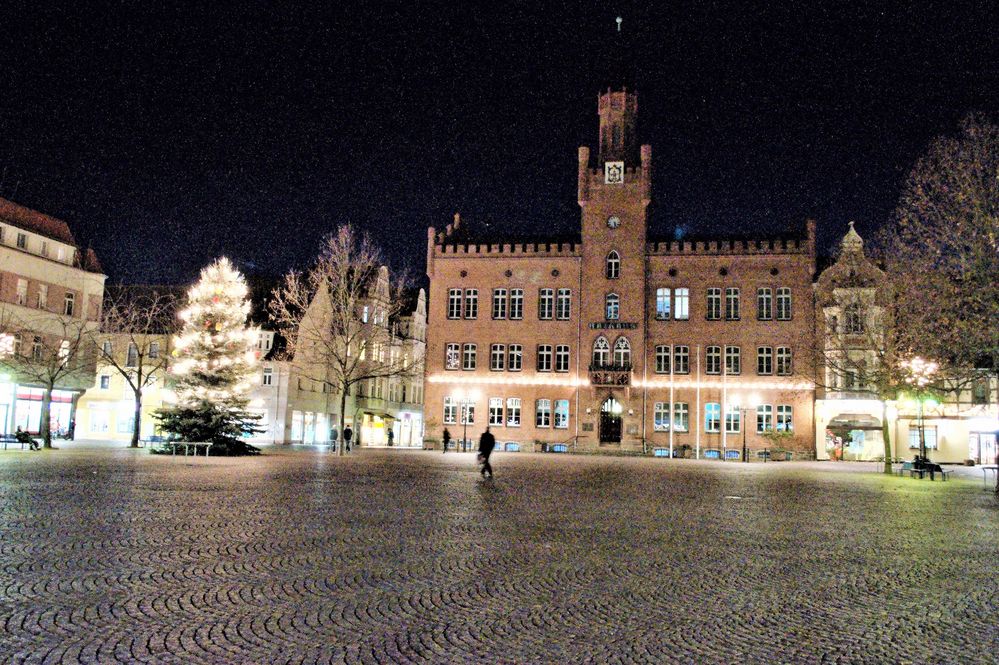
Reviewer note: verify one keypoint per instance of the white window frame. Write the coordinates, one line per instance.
(712, 357)
(542, 413)
(515, 358)
(784, 365)
(612, 307)
(454, 303)
(660, 417)
(496, 412)
(714, 304)
(784, 312)
(544, 357)
(499, 304)
(563, 304)
(613, 265)
(561, 357)
(516, 304)
(681, 304)
(497, 357)
(513, 412)
(471, 304)
(560, 417)
(663, 304)
(546, 304)
(468, 360)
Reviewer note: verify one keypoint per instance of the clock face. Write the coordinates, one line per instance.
(613, 222)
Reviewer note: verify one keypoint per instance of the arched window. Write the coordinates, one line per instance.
(601, 352)
(613, 307)
(613, 265)
(622, 352)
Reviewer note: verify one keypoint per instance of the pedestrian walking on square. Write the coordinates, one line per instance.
(333, 436)
(391, 437)
(347, 435)
(486, 444)
(447, 438)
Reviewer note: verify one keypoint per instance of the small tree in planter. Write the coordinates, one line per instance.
(777, 439)
(214, 364)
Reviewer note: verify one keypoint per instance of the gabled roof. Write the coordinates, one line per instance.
(36, 222)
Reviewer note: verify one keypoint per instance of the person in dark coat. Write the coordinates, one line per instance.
(447, 438)
(486, 444)
(347, 435)
(391, 437)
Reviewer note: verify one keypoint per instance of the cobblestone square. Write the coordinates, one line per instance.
(301, 557)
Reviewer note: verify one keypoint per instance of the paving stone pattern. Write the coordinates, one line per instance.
(300, 557)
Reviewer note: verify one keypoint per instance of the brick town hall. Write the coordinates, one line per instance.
(614, 340)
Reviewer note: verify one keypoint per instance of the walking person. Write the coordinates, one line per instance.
(486, 444)
(447, 438)
(391, 437)
(333, 436)
(347, 435)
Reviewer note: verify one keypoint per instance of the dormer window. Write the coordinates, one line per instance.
(613, 265)
(22, 241)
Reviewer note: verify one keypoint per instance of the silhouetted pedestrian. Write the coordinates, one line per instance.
(391, 437)
(347, 435)
(447, 438)
(486, 444)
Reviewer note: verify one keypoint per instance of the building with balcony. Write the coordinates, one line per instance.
(614, 339)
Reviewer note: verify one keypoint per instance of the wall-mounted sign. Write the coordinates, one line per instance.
(613, 325)
(613, 173)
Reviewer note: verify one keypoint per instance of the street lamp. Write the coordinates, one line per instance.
(743, 410)
(920, 375)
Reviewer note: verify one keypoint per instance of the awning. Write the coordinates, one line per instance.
(849, 421)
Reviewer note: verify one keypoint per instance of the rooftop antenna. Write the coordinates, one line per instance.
(619, 20)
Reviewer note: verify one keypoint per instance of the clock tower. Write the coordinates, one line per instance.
(614, 193)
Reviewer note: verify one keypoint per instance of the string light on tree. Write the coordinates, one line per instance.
(215, 361)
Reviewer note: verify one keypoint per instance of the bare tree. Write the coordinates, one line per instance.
(49, 352)
(339, 319)
(941, 251)
(133, 337)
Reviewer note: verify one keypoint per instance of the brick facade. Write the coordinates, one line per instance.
(607, 285)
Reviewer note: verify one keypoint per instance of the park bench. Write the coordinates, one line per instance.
(932, 469)
(188, 446)
(8, 439)
(985, 473)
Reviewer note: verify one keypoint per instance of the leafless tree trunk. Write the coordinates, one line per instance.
(47, 351)
(133, 340)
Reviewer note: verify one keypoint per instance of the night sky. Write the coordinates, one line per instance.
(166, 137)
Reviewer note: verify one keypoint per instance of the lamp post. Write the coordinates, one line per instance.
(743, 410)
(920, 373)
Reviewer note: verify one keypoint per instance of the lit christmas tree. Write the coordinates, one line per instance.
(214, 364)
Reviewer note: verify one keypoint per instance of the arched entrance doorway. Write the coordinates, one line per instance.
(610, 421)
